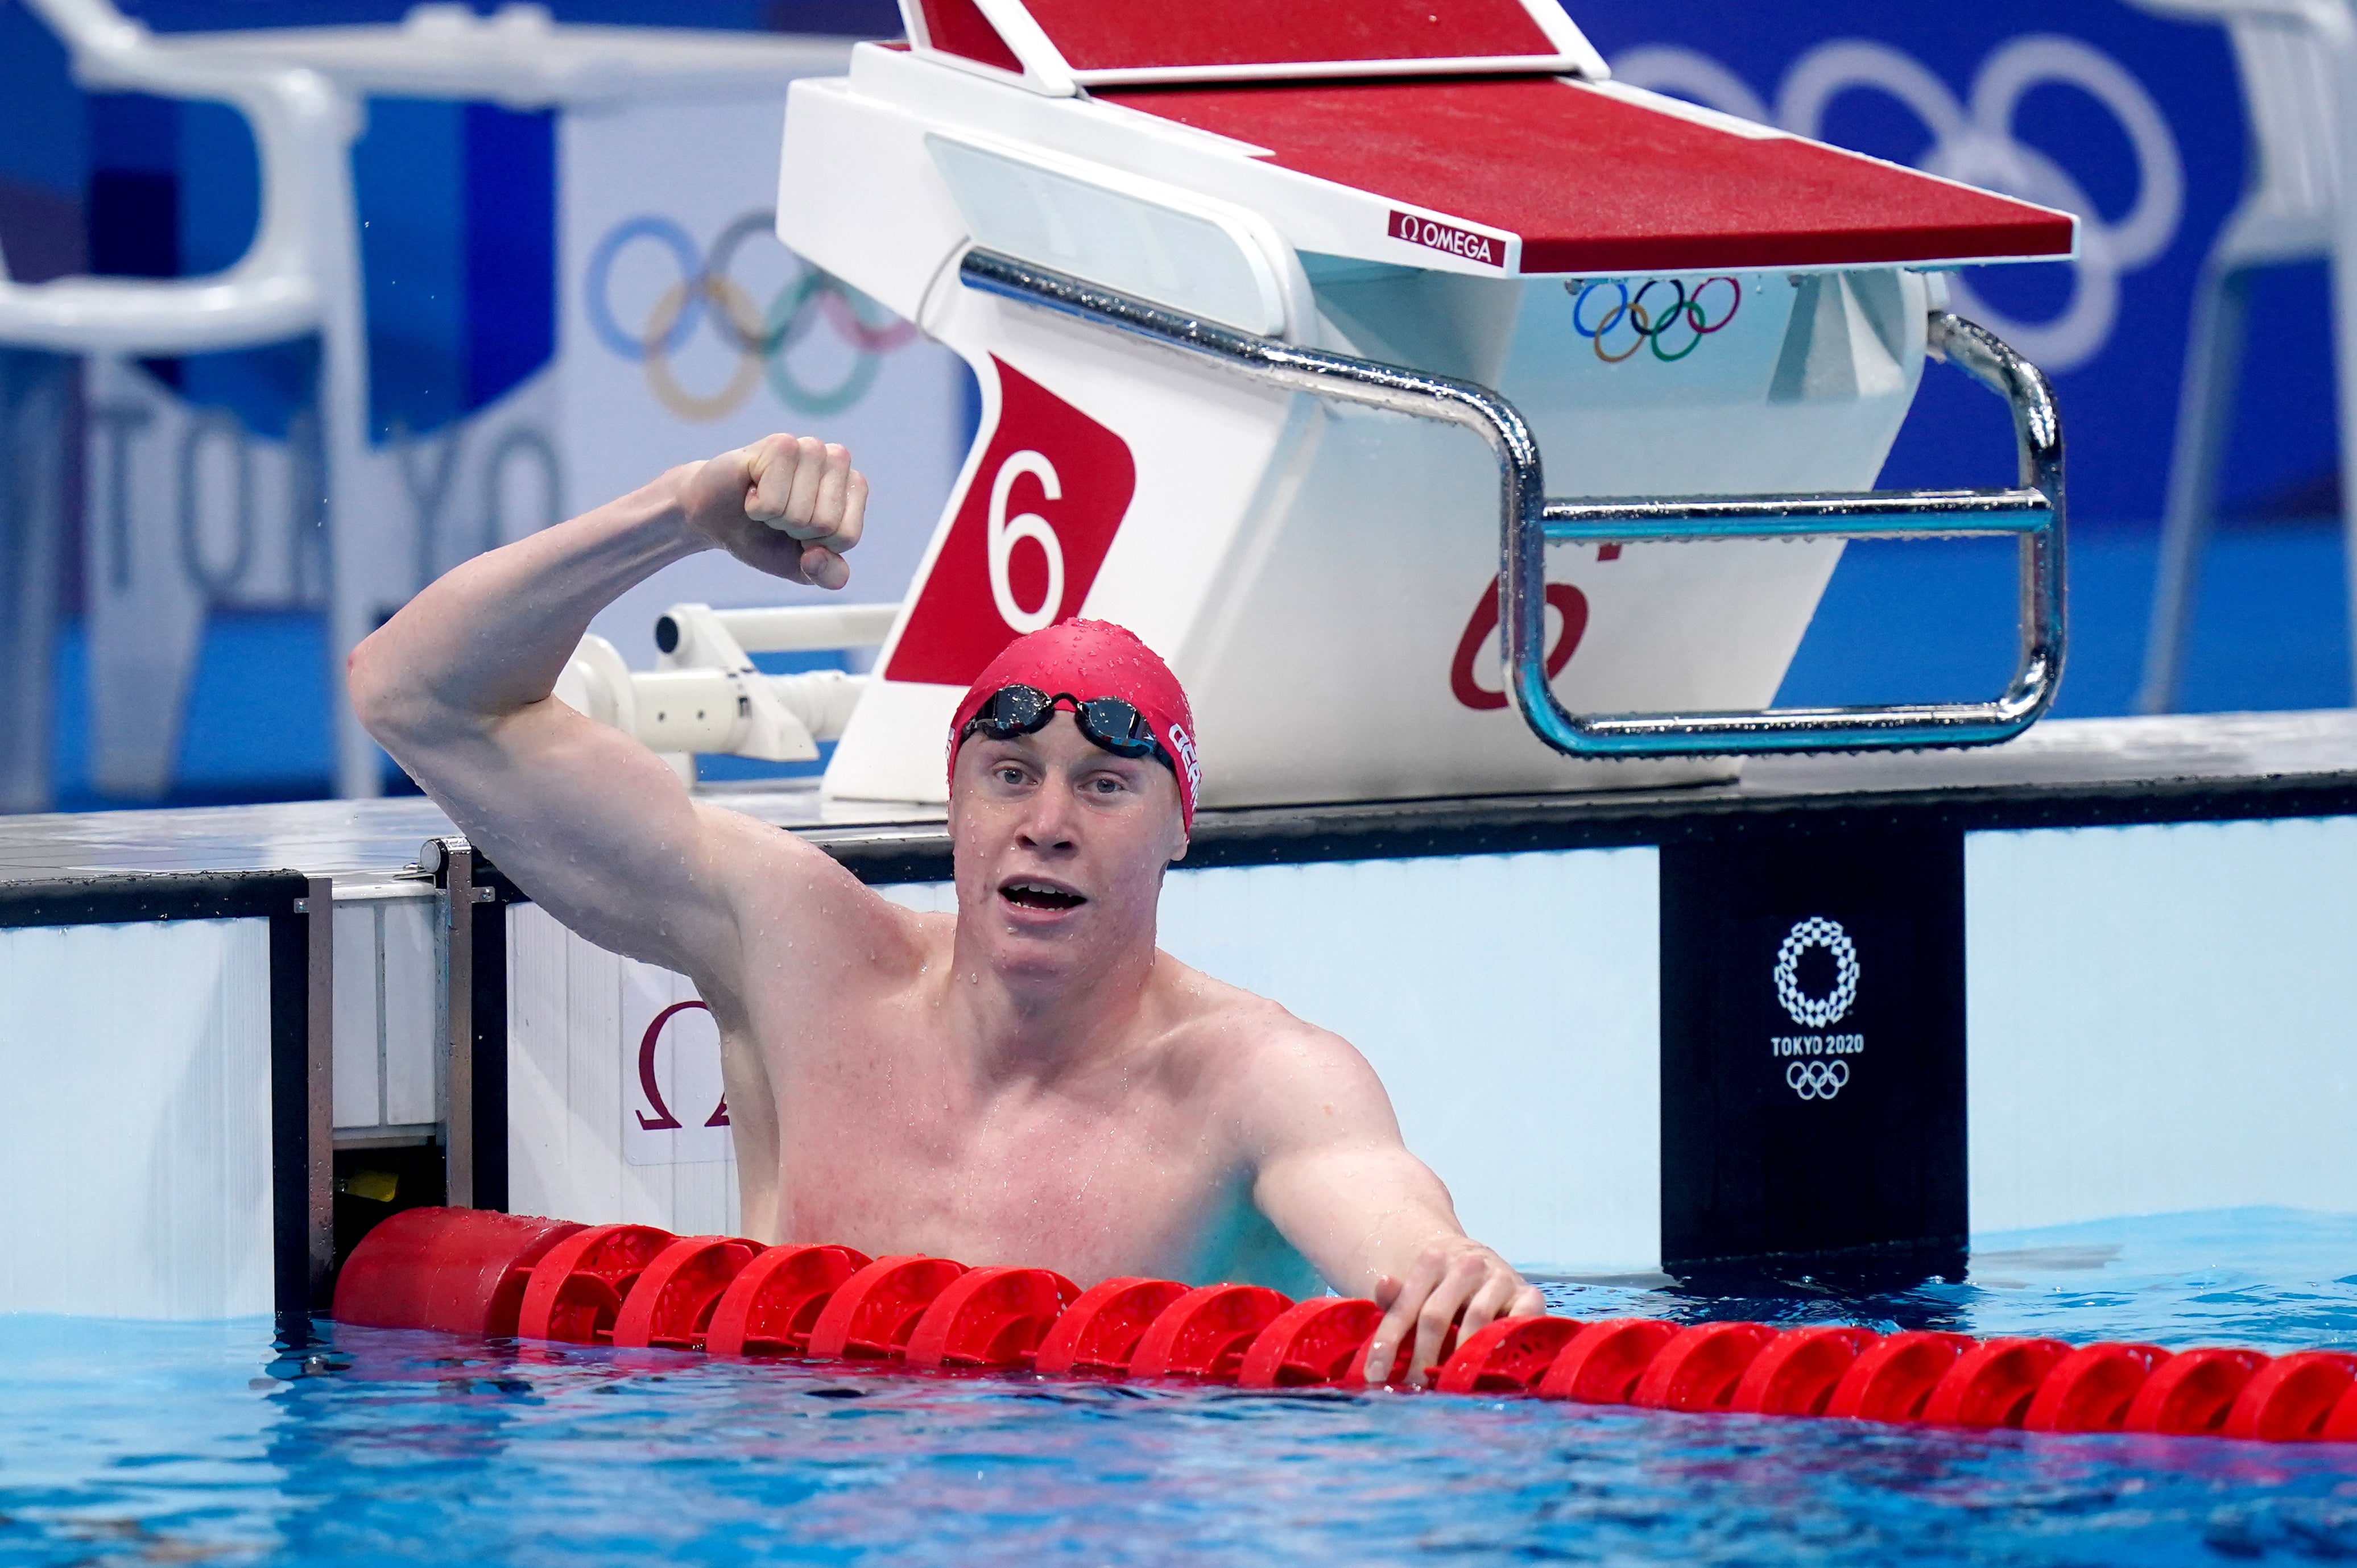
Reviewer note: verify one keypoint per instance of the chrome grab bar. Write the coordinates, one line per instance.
(2033, 513)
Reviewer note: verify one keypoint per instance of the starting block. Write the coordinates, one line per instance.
(1283, 323)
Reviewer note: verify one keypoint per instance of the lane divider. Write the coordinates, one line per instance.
(498, 1276)
(772, 1305)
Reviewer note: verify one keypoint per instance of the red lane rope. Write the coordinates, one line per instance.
(467, 1270)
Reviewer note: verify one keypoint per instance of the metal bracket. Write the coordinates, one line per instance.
(455, 859)
(318, 908)
(1528, 522)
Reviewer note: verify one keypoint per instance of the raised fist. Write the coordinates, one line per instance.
(790, 506)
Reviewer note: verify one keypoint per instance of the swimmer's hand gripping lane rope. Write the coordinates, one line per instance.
(2031, 514)
(497, 1275)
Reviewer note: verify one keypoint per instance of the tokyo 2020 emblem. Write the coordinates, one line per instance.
(1816, 1012)
(706, 292)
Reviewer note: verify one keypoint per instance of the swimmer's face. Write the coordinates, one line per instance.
(1059, 847)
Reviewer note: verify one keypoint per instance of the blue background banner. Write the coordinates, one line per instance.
(2034, 101)
(2134, 121)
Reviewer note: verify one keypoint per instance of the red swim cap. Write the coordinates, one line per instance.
(1092, 659)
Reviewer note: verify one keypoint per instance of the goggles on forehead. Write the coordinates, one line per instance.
(1109, 722)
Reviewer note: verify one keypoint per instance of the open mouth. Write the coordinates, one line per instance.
(1040, 895)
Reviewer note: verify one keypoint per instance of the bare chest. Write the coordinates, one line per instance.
(886, 1144)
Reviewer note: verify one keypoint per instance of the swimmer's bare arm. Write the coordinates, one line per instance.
(1334, 1177)
(457, 687)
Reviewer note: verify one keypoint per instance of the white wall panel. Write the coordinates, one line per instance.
(1511, 1005)
(2161, 1018)
(356, 1052)
(136, 1060)
(412, 1024)
(575, 1015)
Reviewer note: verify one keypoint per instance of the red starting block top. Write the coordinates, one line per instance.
(1595, 179)
(1095, 43)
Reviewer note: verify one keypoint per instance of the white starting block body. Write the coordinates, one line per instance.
(1678, 303)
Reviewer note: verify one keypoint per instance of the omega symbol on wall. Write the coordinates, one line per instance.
(1815, 1077)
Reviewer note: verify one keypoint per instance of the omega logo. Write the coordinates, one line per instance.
(662, 1120)
(1435, 235)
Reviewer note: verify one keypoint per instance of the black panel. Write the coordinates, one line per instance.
(1825, 1117)
(1401, 830)
(490, 1011)
(490, 1015)
(119, 899)
(290, 1123)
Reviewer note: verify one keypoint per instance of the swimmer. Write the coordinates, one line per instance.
(1028, 1081)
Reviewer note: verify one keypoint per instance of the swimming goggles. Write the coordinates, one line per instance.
(1110, 721)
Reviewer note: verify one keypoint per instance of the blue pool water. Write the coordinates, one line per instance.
(146, 1444)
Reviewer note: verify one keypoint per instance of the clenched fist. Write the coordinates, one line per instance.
(790, 506)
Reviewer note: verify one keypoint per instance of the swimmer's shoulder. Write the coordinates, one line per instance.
(792, 891)
(1243, 1032)
(1285, 1079)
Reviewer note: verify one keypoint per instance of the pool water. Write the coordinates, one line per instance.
(128, 1442)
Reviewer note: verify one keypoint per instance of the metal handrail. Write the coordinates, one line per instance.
(1528, 522)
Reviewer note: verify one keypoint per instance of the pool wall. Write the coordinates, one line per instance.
(2155, 1018)
(1870, 1009)
(158, 1157)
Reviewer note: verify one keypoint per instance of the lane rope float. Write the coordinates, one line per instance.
(471, 1271)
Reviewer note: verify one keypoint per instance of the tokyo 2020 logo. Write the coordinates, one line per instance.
(705, 293)
(1816, 1012)
(1816, 1077)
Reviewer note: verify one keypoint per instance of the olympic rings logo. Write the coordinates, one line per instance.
(1973, 141)
(1816, 1012)
(706, 291)
(1687, 318)
(1817, 1080)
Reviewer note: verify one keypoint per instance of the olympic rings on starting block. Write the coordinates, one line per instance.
(1687, 310)
(1815, 1080)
